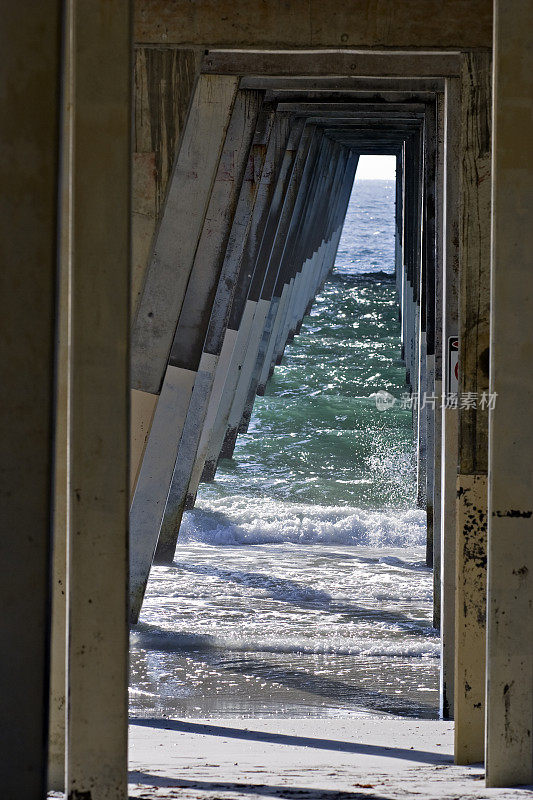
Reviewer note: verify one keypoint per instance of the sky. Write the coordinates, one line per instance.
(376, 167)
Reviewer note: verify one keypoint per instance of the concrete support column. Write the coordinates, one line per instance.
(99, 429)
(307, 276)
(474, 267)
(509, 748)
(300, 254)
(401, 270)
(438, 351)
(59, 632)
(411, 262)
(398, 229)
(29, 125)
(335, 215)
(429, 254)
(417, 334)
(450, 278)
(421, 356)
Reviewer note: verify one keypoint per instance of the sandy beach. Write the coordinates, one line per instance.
(312, 759)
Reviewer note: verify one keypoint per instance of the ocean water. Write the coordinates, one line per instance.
(299, 586)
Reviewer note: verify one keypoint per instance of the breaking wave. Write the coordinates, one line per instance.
(238, 520)
(153, 638)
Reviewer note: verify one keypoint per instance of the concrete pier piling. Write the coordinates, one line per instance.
(471, 547)
(449, 423)
(28, 135)
(508, 741)
(96, 758)
(159, 309)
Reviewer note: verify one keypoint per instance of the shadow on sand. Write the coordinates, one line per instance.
(261, 789)
(183, 726)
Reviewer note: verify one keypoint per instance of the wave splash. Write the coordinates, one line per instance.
(241, 520)
(150, 637)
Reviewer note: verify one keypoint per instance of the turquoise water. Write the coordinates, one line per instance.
(299, 586)
(317, 436)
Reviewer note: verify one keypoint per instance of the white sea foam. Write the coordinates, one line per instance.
(144, 636)
(238, 519)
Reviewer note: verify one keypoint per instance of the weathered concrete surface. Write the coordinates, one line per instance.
(181, 225)
(164, 80)
(450, 306)
(474, 264)
(428, 316)
(470, 618)
(29, 86)
(314, 23)
(509, 750)
(474, 267)
(438, 347)
(142, 410)
(149, 499)
(99, 424)
(57, 725)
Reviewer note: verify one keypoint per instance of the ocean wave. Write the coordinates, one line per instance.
(239, 519)
(150, 637)
(349, 272)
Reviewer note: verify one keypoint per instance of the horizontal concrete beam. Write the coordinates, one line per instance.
(379, 98)
(314, 23)
(344, 83)
(363, 63)
(346, 107)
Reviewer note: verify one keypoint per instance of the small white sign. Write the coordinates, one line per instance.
(453, 365)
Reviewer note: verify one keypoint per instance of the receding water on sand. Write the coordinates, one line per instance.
(299, 586)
